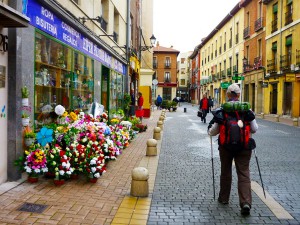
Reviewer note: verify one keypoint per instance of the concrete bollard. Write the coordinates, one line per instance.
(262, 115)
(139, 183)
(160, 124)
(151, 147)
(156, 133)
(277, 118)
(295, 122)
(161, 118)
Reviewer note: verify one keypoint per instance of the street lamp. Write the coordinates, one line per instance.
(152, 41)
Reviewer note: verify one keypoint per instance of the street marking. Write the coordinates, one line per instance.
(274, 206)
(280, 131)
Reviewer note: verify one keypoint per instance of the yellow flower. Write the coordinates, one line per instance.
(60, 128)
(73, 116)
(65, 114)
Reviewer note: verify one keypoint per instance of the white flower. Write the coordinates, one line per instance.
(84, 139)
(59, 110)
(61, 172)
(53, 163)
(97, 175)
(93, 169)
(65, 157)
(45, 170)
(28, 170)
(96, 142)
(64, 164)
(93, 162)
(76, 159)
(37, 170)
(69, 172)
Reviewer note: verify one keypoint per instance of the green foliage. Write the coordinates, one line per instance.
(20, 163)
(25, 92)
(134, 120)
(25, 115)
(126, 103)
(29, 134)
(164, 104)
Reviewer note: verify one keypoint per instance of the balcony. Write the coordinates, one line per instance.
(288, 17)
(285, 62)
(230, 43)
(116, 37)
(229, 72)
(103, 24)
(220, 50)
(235, 69)
(167, 65)
(246, 32)
(257, 63)
(214, 77)
(154, 65)
(274, 25)
(271, 66)
(258, 24)
(223, 74)
(219, 75)
(212, 56)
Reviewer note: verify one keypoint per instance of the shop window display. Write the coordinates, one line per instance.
(62, 77)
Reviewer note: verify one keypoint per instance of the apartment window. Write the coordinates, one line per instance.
(289, 12)
(168, 62)
(274, 23)
(167, 77)
(237, 33)
(259, 49)
(182, 81)
(230, 38)
(182, 60)
(182, 71)
(155, 62)
(224, 41)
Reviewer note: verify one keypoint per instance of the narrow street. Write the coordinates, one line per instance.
(183, 192)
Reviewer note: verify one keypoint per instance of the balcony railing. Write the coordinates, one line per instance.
(167, 65)
(246, 32)
(229, 72)
(258, 24)
(223, 74)
(103, 24)
(274, 25)
(237, 38)
(230, 43)
(257, 63)
(298, 57)
(235, 69)
(285, 62)
(288, 17)
(214, 77)
(115, 36)
(272, 66)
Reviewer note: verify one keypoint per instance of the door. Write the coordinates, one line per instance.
(104, 88)
(287, 98)
(273, 99)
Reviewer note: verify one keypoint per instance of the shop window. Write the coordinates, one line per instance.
(62, 77)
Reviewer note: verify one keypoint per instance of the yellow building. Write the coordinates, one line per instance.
(282, 79)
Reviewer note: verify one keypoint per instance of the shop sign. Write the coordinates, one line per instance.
(290, 77)
(225, 85)
(45, 20)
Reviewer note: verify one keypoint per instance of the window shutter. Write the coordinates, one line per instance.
(275, 8)
(288, 41)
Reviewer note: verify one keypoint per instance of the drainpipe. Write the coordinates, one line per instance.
(126, 88)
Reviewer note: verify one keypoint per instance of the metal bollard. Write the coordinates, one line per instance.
(139, 183)
(156, 133)
(184, 110)
(295, 122)
(151, 147)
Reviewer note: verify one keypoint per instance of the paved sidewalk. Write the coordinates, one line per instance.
(77, 201)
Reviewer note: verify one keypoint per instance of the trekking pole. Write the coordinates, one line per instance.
(262, 184)
(212, 164)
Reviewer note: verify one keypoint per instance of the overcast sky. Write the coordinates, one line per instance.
(182, 24)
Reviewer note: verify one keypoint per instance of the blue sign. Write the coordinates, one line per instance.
(45, 20)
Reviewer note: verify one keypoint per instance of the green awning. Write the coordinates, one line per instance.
(275, 8)
(288, 41)
(274, 46)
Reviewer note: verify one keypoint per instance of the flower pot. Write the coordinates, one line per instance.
(74, 176)
(28, 141)
(25, 102)
(49, 175)
(25, 122)
(93, 180)
(58, 182)
(32, 179)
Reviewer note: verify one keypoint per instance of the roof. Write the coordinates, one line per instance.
(157, 49)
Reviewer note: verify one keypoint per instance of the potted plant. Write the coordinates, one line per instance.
(29, 136)
(25, 95)
(25, 119)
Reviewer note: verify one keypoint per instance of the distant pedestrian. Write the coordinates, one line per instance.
(204, 107)
(210, 103)
(159, 101)
(235, 143)
(140, 104)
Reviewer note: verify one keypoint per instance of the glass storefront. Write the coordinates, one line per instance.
(63, 76)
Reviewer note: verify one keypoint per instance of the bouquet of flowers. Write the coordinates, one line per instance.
(36, 163)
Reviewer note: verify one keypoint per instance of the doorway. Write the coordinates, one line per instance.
(287, 98)
(273, 98)
(253, 97)
(104, 88)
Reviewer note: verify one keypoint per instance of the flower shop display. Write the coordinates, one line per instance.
(35, 164)
(25, 95)
(77, 143)
(29, 136)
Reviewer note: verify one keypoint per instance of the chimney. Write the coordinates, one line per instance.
(157, 44)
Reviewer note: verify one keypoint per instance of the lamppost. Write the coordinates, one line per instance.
(152, 41)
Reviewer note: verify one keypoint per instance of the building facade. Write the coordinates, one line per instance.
(183, 75)
(282, 80)
(165, 65)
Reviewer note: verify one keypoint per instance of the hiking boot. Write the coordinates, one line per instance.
(222, 202)
(204, 120)
(245, 209)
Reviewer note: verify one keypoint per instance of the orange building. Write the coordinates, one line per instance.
(165, 66)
